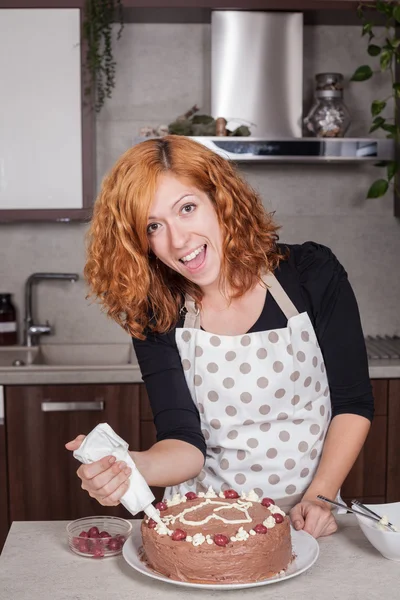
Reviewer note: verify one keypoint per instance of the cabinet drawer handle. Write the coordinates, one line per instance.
(69, 406)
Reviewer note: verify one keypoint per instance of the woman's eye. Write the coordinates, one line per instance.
(188, 208)
(152, 228)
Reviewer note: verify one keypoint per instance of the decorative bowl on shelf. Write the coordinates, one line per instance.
(98, 537)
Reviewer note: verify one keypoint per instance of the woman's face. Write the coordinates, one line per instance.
(184, 232)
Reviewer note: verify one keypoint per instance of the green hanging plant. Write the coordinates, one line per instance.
(99, 16)
(387, 55)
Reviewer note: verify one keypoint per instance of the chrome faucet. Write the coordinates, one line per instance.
(32, 331)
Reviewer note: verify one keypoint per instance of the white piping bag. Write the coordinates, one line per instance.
(103, 441)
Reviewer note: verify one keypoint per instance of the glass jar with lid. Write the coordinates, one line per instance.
(329, 116)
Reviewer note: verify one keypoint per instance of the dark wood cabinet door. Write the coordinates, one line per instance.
(148, 433)
(4, 520)
(367, 479)
(393, 454)
(43, 484)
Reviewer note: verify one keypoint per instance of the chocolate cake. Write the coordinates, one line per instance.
(224, 538)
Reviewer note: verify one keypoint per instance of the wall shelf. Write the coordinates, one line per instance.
(298, 150)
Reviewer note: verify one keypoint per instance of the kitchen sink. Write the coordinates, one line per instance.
(67, 355)
(17, 356)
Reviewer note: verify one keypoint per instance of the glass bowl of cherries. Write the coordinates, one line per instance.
(98, 537)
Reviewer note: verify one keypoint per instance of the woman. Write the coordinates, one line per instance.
(232, 333)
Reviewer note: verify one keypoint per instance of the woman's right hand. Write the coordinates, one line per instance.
(106, 480)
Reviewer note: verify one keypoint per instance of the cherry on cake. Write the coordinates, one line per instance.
(218, 538)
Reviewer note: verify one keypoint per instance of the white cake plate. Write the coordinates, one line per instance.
(305, 547)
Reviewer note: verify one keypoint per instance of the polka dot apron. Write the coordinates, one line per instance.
(264, 404)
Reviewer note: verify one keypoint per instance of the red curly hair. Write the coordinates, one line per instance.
(134, 289)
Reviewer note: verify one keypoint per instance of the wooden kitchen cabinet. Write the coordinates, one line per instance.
(42, 478)
(4, 519)
(393, 455)
(148, 432)
(368, 479)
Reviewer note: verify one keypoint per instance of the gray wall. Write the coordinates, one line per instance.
(162, 70)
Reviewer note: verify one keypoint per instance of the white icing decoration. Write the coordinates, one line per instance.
(269, 523)
(384, 520)
(198, 539)
(242, 504)
(252, 496)
(239, 505)
(210, 493)
(242, 534)
(176, 499)
(161, 529)
(276, 510)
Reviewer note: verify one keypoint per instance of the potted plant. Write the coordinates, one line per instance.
(385, 52)
(99, 16)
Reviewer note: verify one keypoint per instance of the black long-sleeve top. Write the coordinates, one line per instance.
(317, 283)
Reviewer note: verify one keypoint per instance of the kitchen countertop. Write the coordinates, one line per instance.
(128, 373)
(36, 564)
(50, 375)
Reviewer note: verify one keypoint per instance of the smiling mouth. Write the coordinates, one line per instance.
(189, 257)
(196, 259)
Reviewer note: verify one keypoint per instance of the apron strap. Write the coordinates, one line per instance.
(280, 296)
(192, 317)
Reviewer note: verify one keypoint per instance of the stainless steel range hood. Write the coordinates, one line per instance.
(257, 79)
(257, 71)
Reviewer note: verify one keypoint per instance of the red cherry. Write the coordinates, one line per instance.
(191, 496)
(114, 545)
(97, 543)
(151, 524)
(104, 534)
(231, 494)
(98, 552)
(178, 535)
(161, 506)
(83, 546)
(220, 539)
(121, 539)
(94, 532)
(84, 534)
(260, 528)
(76, 542)
(278, 518)
(267, 502)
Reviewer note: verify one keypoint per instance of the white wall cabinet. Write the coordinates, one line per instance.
(40, 110)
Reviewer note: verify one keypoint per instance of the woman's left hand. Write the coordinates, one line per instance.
(314, 517)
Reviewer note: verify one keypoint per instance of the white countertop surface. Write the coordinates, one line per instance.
(36, 564)
(53, 375)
